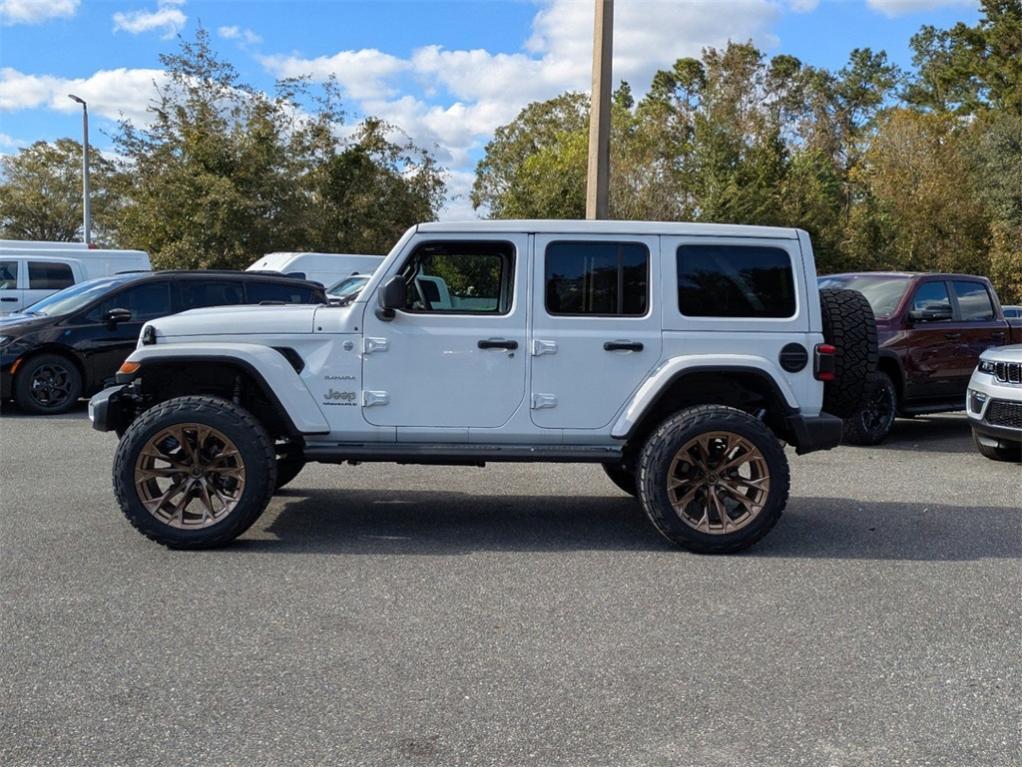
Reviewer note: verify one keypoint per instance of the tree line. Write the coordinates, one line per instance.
(223, 173)
(886, 169)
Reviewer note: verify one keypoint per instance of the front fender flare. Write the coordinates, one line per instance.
(268, 367)
(670, 370)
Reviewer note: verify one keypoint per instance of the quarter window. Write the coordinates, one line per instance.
(931, 296)
(735, 281)
(597, 278)
(974, 301)
(49, 276)
(460, 278)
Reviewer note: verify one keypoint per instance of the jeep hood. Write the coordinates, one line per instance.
(239, 320)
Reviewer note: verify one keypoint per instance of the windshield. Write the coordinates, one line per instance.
(349, 286)
(75, 297)
(883, 291)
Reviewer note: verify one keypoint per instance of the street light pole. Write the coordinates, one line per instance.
(598, 178)
(87, 217)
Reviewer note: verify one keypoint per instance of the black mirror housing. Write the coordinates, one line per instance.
(393, 294)
(115, 316)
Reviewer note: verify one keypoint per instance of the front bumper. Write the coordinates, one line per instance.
(103, 411)
(993, 407)
(811, 433)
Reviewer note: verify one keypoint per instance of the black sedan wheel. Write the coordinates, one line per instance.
(47, 384)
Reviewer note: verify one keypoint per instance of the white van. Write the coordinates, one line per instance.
(30, 271)
(324, 268)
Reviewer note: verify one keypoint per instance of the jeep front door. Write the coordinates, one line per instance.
(453, 357)
(596, 327)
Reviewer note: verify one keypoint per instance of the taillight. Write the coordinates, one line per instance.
(824, 359)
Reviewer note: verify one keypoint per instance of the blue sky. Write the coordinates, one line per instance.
(447, 73)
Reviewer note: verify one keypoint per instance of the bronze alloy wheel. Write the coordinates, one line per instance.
(189, 476)
(718, 482)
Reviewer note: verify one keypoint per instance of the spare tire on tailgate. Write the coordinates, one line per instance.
(849, 326)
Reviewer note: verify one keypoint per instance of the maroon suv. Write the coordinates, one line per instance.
(931, 330)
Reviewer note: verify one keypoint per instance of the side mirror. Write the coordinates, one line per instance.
(393, 294)
(936, 314)
(115, 316)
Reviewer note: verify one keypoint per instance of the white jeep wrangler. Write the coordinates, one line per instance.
(678, 356)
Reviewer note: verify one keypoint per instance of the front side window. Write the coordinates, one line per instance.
(931, 296)
(8, 275)
(974, 301)
(735, 281)
(49, 276)
(258, 292)
(460, 278)
(145, 302)
(597, 278)
(196, 294)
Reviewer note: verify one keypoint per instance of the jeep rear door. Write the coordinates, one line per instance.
(596, 326)
(454, 357)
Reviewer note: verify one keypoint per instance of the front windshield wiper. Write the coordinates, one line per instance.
(345, 300)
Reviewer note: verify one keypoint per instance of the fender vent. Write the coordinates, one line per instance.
(794, 357)
(293, 357)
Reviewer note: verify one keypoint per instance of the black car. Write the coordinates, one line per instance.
(71, 342)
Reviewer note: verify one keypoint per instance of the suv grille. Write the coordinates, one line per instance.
(1003, 413)
(1008, 372)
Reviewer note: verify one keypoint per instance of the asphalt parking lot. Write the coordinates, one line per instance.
(518, 614)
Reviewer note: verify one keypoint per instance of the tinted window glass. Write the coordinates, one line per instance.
(145, 302)
(931, 296)
(8, 275)
(196, 294)
(460, 278)
(47, 276)
(599, 278)
(974, 301)
(285, 293)
(883, 292)
(735, 281)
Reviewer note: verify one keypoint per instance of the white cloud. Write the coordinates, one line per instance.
(235, 32)
(9, 142)
(894, 8)
(362, 74)
(112, 93)
(35, 11)
(803, 6)
(167, 18)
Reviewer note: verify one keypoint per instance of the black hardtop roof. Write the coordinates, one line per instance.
(255, 274)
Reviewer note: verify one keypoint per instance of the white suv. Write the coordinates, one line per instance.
(678, 356)
(995, 403)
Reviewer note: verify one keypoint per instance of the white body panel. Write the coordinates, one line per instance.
(324, 268)
(987, 385)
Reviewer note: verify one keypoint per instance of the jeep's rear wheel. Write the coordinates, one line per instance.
(621, 476)
(713, 479)
(850, 326)
(194, 472)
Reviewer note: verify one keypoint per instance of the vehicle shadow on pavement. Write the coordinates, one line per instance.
(449, 523)
(941, 434)
(79, 411)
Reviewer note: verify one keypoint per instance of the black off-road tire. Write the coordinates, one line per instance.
(253, 443)
(997, 453)
(655, 462)
(848, 325)
(874, 419)
(289, 466)
(31, 369)
(621, 476)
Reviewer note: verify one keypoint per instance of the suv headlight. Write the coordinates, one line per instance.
(986, 366)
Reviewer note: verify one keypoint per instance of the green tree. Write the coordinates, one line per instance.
(41, 192)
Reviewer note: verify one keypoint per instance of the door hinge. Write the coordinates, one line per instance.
(370, 345)
(540, 347)
(370, 398)
(543, 401)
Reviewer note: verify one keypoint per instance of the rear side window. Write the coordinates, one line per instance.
(49, 276)
(196, 294)
(8, 275)
(735, 281)
(277, 292)
(597, 278)
(974, 301)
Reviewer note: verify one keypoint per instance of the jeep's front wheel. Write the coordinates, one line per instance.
(194, 472)
(713, 479)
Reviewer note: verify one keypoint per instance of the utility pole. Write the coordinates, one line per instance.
(87, 217)
(598, 178)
